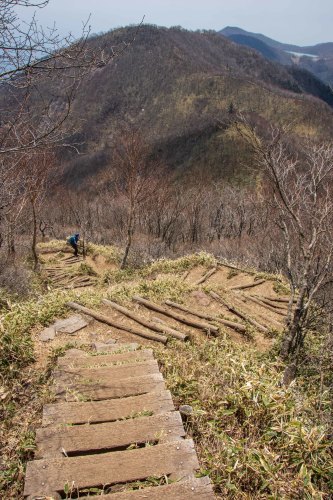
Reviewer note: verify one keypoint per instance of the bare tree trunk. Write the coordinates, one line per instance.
(293, 337)
(11, 251)
(130, 232)
(34, 235)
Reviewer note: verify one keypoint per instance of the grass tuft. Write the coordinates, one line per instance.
(254, 437)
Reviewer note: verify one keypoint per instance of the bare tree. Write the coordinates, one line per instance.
(137, 178)
(38, 172)
(40, 72)
(13, 202)
(300, 192)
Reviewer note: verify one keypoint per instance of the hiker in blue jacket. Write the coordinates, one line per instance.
(73, 242)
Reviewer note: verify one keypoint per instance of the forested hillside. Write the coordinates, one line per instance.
(182, 90)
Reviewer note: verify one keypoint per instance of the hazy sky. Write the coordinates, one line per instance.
(302, 22)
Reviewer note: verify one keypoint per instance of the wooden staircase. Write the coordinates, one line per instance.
(113, 432)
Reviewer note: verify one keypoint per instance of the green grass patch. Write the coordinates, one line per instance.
(162, 266)
(160, 289)
(85, 269)
(255, 438)
(179, 265)
(110, 253)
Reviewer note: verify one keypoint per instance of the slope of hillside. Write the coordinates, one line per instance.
(233, 30)
(317, 58)
(181, 89)
(253, 436)
(267, 51)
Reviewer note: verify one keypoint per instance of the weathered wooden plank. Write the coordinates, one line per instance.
(115, 324)
(191, 488)
(92, 391)
(45, 477)
(182, 319)
(81, 439)
(104, 374)
(106, 411)
(144, 322)
(130, 358)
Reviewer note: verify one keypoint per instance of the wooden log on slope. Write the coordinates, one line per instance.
(238, 313)
(185, 274)
(79, 285)
(119, 326)
(206, 276)
(241, 300)
(166, 327)
(283, 300)
(182, 319)
(262, 304)
(249, 285)
(209, 317)
(231, 266)
(272, 304)
(144, 322)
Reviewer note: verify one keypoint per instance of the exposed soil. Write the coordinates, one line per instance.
(197, 301)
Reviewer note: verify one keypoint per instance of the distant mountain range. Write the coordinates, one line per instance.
(317, 58)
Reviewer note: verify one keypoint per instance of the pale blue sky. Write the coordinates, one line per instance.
(302, 22)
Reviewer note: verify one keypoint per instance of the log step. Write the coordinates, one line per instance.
(118, 325)
(144, 322)
(126, 358)
(104, 374)
(249, 285)
(78, 440)
(107, 411)
(193, 488)
(182, 319)
(50, 476)
(95, 391)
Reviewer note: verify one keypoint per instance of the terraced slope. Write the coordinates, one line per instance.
(111, 426)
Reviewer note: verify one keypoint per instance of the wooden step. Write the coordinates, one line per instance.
(47, 477)
(108, 410)
(191, 488)
(130, 357)
(56, 441)
(95, 391)
(104, 374)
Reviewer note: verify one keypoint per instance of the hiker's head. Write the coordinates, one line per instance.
(77, 236)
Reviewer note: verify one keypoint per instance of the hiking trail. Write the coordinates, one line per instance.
(112, 428)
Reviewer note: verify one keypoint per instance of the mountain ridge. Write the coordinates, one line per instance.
(318, 59)
(182, 90)
(316, 48)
